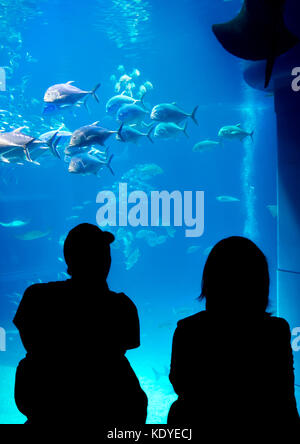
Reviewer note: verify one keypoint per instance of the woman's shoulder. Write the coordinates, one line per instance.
(44, 287)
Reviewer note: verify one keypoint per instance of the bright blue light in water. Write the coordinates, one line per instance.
(166, 47)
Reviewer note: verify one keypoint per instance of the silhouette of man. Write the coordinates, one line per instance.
(232, 364)
(76, 333)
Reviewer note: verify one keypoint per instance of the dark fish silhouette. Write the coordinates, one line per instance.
(257, 33)
(90, 135)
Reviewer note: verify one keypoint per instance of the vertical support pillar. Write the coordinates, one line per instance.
(287, 106)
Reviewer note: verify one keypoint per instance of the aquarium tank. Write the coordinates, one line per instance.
(217, 154)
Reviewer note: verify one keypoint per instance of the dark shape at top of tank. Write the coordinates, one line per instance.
(257, 33)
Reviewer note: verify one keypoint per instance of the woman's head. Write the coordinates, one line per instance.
(87, 251)
(236, 277)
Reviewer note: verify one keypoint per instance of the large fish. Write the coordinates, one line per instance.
(33, 235)
(90, 135)
(257, 33)
(68, 94)
(131, 113)
(17, 141)
(205, 145)
(170, 112)
(130, 134)
(114, 104)
(234, 132)
(87, 163)
(19, 157)
(169, 130)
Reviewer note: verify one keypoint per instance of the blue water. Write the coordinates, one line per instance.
(171, 44)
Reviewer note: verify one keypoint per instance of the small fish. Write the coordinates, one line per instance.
(170, 112)
(62, 239)
(165, 325)
(135, 73)
(273, 210)
(148, 85)
(15, 296)
(142, 90)
(12, 332)
(68, 94)
(193, 249)
(13, 224)
(226, 199)
(33, 235)
(207, 250)
(168, 130)
(182, 311)
(88, 164)
(131, 113)
(125, 78)
(234, 132)
(205, 145)
(152, 238)
(72, 217)
(132, 259)
(130, 134)
(121, 69)
(170, 231)
(90, 135)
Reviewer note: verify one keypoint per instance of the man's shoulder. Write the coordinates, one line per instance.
(192, 320)
(44, 287)
(123, 301)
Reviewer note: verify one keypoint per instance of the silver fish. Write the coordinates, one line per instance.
(90, 135)
(17, 141)
(168, 130)
(205, 145)
(129, 134)
(88, 164)
(234, 132)
(170, 112)
(131, 113)
(68, 94)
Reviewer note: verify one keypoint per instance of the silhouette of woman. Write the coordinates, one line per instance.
(76, 334)
(232, 364)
